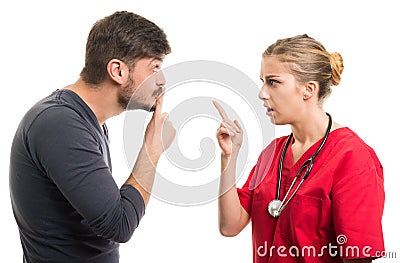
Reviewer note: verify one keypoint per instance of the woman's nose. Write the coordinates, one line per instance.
(263, 94)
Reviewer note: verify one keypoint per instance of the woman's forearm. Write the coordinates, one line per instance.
(232, 217)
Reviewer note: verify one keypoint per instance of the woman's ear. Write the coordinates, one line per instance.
(117, 71)
(311, 90)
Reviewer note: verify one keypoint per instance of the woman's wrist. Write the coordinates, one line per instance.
(232, 155)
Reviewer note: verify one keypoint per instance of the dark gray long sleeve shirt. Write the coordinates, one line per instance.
(66, 203)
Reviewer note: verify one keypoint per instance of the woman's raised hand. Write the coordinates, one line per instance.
(229, 133)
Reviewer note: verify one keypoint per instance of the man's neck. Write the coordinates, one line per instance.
(101, 99)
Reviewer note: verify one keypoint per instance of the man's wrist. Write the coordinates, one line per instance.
(152, 156)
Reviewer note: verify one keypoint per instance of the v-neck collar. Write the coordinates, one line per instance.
(288, 160)
(289, 163)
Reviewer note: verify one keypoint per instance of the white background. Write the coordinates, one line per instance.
(42, 49)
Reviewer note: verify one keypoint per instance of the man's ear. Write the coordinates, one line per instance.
(311, 89)
(117, 71)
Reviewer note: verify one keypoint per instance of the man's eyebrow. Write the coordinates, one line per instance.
(160, 59)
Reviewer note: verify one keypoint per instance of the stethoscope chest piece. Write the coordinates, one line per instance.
(274, 208)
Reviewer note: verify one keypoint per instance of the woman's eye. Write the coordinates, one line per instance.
(272, 82)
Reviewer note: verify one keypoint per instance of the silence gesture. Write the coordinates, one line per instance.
(159, 132)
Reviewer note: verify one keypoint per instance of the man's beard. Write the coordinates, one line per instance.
(124, 99)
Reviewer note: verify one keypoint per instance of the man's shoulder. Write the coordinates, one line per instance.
(57, 113)
(50, 110)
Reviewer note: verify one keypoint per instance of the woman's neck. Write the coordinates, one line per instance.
(310, 128)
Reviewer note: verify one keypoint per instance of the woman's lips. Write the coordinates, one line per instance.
(269, 110)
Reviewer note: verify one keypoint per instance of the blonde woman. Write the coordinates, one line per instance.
(316, 195)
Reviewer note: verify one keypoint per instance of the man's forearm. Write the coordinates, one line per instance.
(143, 173)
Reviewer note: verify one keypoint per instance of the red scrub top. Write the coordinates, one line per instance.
(336, 214)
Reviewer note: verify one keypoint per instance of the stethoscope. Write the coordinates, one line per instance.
(276, 206)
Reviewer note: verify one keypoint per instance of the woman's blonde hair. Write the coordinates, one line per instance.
(308, 60)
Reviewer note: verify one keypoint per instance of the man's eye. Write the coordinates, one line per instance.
(155, 68)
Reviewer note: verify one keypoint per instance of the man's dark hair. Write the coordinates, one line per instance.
(125, 36)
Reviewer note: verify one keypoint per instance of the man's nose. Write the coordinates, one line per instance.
(160, 79)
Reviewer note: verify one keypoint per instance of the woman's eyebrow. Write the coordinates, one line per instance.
(271, 76)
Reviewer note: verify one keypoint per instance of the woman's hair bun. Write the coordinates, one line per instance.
(337, 67)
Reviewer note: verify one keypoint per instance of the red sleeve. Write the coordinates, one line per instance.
(357, 202)
(255, 178)
(245, 194)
